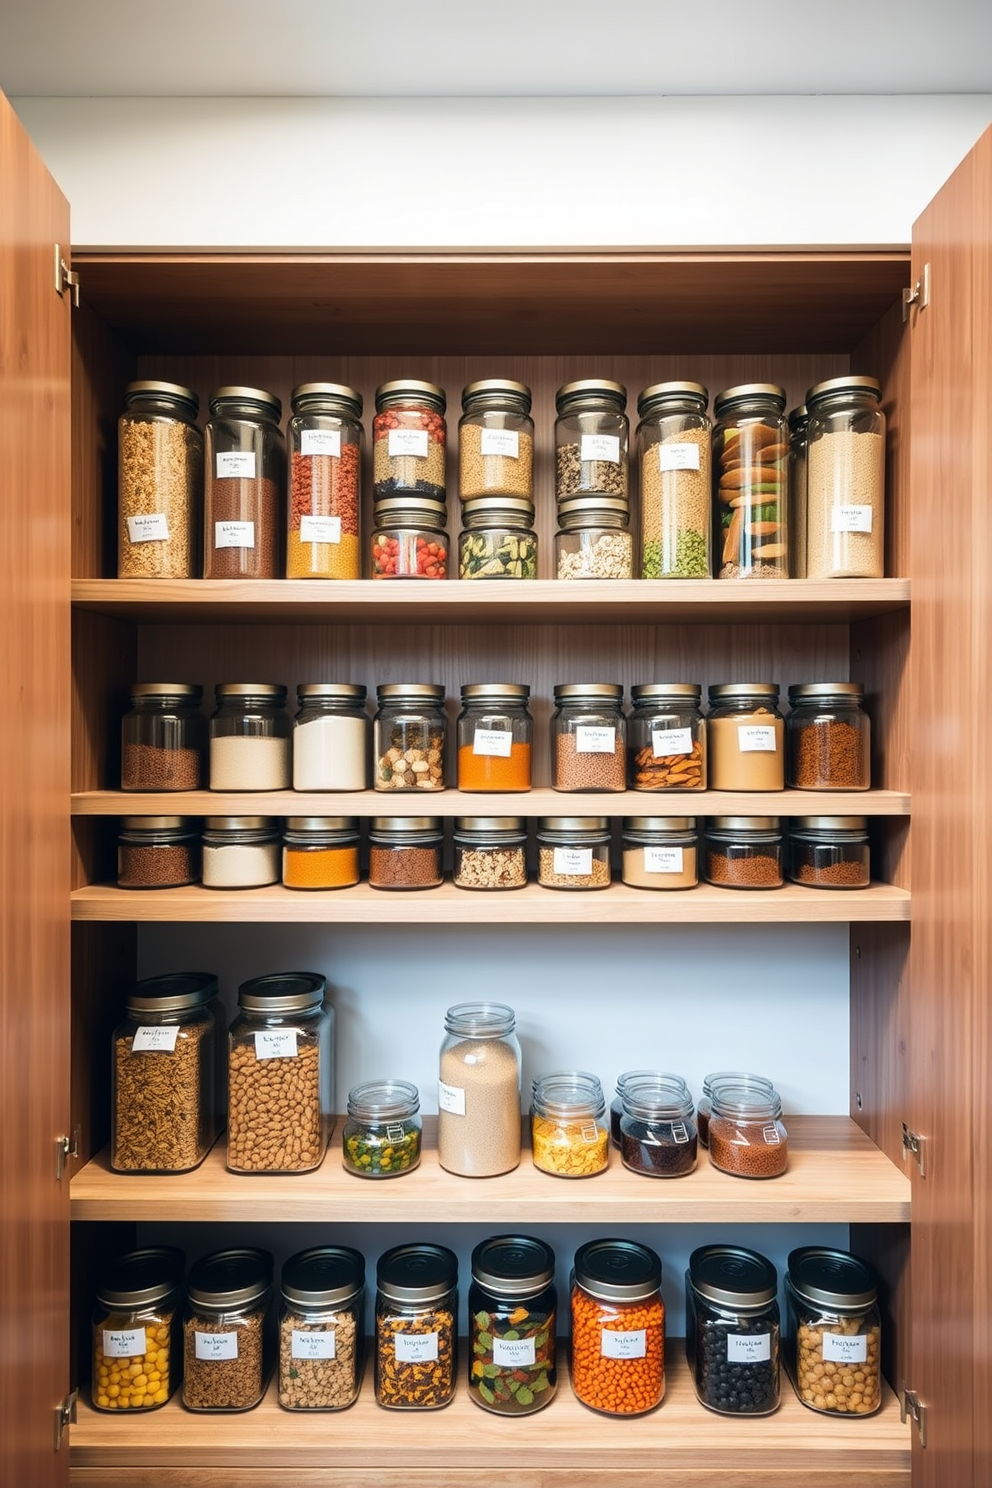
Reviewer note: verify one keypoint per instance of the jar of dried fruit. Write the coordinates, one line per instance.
(409, 438)
(409, 540)
(618, 1328)
(325, 472)
(666, 737)
(321, 1329)
(496, 440)
(512, 1312)
(415, 1320)
(674, 445)
(135, 1331)
(833, 1343)
(751, 473)
(160, 482)
(382, 1135)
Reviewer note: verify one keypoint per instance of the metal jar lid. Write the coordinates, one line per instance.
(410, 390)
(618, 1270)
(745, 823)
(745, 391)
(733, 1276)
(410, 510)
(656, 398)
(183, 397)
(191, 690)
(573, 824)
(579, 511)
(661, 692)
(417, 1274)
(476, 508)
(514, 692)
(308, 397)
(158, 823)
(798, 419)
(346, 691)
(173, 993)
(833, 1278)
(282, 992)
(322, 824)
(599, 691)
(814, 691)
(513, 1265)
(383, 1100)
(384, 825)
(427, 692)
(835, 385)
(325, 1276)
(659, 823)
(230, 1279)
(140, 1278)
(490, 824)
(226, 399)
(493, 390)
(830, 823)
(588, 391)
(272, 691)
(721, 690)
(241, 824)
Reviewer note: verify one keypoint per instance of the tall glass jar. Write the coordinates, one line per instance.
(321, 1329)
(162, 737)
(512, 1313)
(496, 440)
(250, 748)
(325, 473)
(592, 541)
(588, 737)
(416, 1314)
(330, 737)
(245, 483)
(711, 1082)
(745, 735)
(660, 852)
(497, 540)
(405, 852)
(409, 737)
(409, 540)
(666, 737)
(478, 1124)
(490, 852)
(320, 852)
(569, 1132)
(135, 1331)
(157, 852)
(833, 1346)
(495, 737)
(573, 852)
(409, 438)
(845, 493)
(732, 1331)
(591, 435)
(618, 1328)
(829, 852)
(160, 478)
(798, 439)
(240, 852)
(163, 1103)
(751, 476)
(828, 735)
(382, 1135)
(674, 439)
(746, 1136)
(280, 1102)
(225, 1346)
(657, 1132)
(743, 852)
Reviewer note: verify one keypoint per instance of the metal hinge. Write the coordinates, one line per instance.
(913, 1145)
(64, 276)
(911, 1408)
(65, 1415)
(65, 1147)
(918, 295)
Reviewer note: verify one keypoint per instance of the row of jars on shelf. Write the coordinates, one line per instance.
(666, 743)
(217, 1331)
(757, 495)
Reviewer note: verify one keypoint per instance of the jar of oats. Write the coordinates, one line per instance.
(321, 1329)
(496, 440)
(834, 1332)
(160, 462)
(224, 1342)
(845, 480)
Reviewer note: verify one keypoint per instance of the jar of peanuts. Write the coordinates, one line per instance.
(569, 1133)
(415, 1317)
(409, 438)
(618, 1328)
(666, 737)
(135, 1331)
(321, 1329)
(746, 1134)
(325, 459)
(833, 1345)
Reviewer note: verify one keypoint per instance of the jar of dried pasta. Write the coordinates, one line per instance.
(415, 1319)
(160, 482)
(833, 1349)
(321, 1326)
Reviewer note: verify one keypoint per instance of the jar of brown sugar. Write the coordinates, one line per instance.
(162, 738)
(245, 482)
(828, 735)
(660, 852)
(405, 852)
(745, 735)
(744, 852)
(325, 457)
(588, 737)
(830, 852)
(157, 852)
(746, 1134)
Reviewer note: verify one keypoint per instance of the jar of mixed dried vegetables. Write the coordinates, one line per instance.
(512, 1310)
(497, 540)
(415, 1318)
(382, 1131)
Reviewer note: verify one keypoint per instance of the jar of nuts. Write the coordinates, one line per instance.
(135, 1330)
(591, 436)
(490, 852)
(833, 1346)
(225, 1347)
(321, 1328)
(409, 438)
(592, 541)
(409, 737)
(666, 737)
(496, 440)
(415, 1317)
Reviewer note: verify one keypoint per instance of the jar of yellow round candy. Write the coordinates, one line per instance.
(134, 1330)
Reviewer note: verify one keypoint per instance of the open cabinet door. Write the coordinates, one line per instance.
(35, 531)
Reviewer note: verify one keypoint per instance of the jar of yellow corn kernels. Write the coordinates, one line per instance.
(135, 1324)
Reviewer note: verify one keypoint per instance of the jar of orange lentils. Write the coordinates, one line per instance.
(618, 1328)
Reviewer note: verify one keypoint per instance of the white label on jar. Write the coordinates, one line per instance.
(276, 1043)
(845, 1349)
(851, 519)
(155, 1040)
(500, 442)
(320, 529)
(152, 527)
(234, 534)
(126, 1344)
(236, 464)
(771, 1136)
(632, 1345)
(573, 862)
(663, 860)
(592, 740)
(514, 1352)
(671, 741)
(416, 1348)
(213, 1346)
(451, 1098)
(321, 442)
(492, 742)
(590, 1133)
(408, 442)
(756, 738)
(678, 457)
(600, 447)
(395, 1134)
(680, 1132)
(315, 1345)
(749, 1348)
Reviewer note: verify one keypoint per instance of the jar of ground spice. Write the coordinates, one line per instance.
(588, 737)
(409, 540)
(512, 1312)
(330, 737)
(240, 852)
(569, 1132)
(224, 1331)
(829, 852)
(135, 1331)
(618, 1328)
(745, 735)
(160, 481)
(751, 476)
(321, 1329)
(250, 744)
(163, 737)
(158, 852)
(320, 852)
(798, 439)
(845, 490)
(666, 737)
(711, 1082)
(409, 737)
(746, 1134)
(732, 1332)
(743, 852)
(833, 1343)
(409, 438)
(496, 441)
(573, 852)
(657, 1132)
(593, 541)
(415, 1320)
(495, 737)
(382, 1135)
(478, 1098)
(674, 445)
(490, 852)
(405, 852)
(660, 852)
(828, 737)
(325, 459)
(497, 540)
(245, 483)
(591, 435)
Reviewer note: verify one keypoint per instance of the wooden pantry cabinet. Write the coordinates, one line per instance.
(920, 1035)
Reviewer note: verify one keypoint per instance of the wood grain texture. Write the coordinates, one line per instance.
(102, 366)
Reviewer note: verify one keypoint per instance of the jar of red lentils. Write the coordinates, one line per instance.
(746, 1134)
(618, 1328)
(409, 439)
(409, 540)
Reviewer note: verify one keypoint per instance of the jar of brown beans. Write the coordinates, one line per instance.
(833, 1345)
(746, 1134)
(829, 852)
(588, 737)
(743, 852)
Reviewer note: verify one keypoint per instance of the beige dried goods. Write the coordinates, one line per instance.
(275, 1124)
(319, 1384)
(158, 1118)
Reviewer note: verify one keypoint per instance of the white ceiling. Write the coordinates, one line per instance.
(516, 48)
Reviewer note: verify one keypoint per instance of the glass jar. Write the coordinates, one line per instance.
(405, 852)
(666, 737)
(409, 737)
(618, 1328)
(828, 735)
(657, 1132)
(845, 488)
(415, 1321)
(588, 737)
(245, 464)
(573, 852)
(616, 1105)
(496, 441)
(157, 852)
(409, 438)
(512, 1314)
(135, 1331)
(280, 1101)
(325, 474)
(321, 1329)
(830, 852)
(798, 439)
(569, 1133)
(495, 737)
(160, 478)
(478, 1091)
(240, 852)
(320, 852)
(497, 539)
(660, 852)
(591, 434)
(162, 738)
(833, 1344)
(409, 540)
(745, 736)
(330, 737)
(751, 474)
(592, 541)
(744, 852)
(250, 746)
(163, 1102)
(746, 1134)
(224, 1331)
(383, 1130)
(704, 1105)
(674, 440)
(732, 1332)
(490, 852)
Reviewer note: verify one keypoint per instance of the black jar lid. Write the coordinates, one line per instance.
(410, 390)
(230, 1278)
(733, 1276)
(659, 395)
(173, 992)
(151, 389)
(818, 691)
(141, 1278)
(192, 691)
(833, 1278)
(417, 1273)
(253, 400)
(513, 1265)
(617, 1270)
(324, 1276)
(745, 391)
(282, 992)
(308, 397)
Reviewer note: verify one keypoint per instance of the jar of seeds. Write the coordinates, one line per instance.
(250, 738)
(512, 1310)
(382, 1134)
(245, 485)
(415, 1318)
(833, 1346)
(588, 737)
(660, 852)
(704, 1105)
(224, 1343)
(743, 852)
(409, 540)
(732, 1330)
(135, 1331)
(666, 737)
(409, 438)
(497, 539)
(746, 1134)
(674, 445)
(592, 541)
(157, 852)
(751, 473)
(591, 434)
(490, 852)
(496, 441)
(573, 852)
(321, 1327)
(325, 457)
(162, 737)
(409, 737)
(845, 490)
(160, 480)
(478, 1098)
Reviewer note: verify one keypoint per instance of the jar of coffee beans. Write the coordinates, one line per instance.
(496, 441)
(744, 852)
(657, 1132)
(746, 1134)
(162, 738)
(833, 1345)
(732, 1330)
(224, 1331)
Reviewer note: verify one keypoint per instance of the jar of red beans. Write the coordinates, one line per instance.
(325, 460)
(409, 540)
(746, 1135)
(409, 440)
(618, 1328)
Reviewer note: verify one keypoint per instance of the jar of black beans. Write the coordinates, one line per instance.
(732, 1330)
(657, 1132)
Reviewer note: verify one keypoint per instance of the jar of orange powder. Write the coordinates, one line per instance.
(618, 1328)
(495, 735)
(320, 852)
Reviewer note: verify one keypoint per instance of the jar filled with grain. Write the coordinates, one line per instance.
(383, 1131)
(163, 1103)
(409, 438)
(732, 1330)
(245, 485)
(250, 738)
(743, 852)
(280, 1067)
(225, 1344)
(495, 737)
(829, 852)
(845, 491)
(588, 737)
(405, 852)
(512, 1313)
(160, 480)
(704, 1106)
(497, 540)
(833, 1338)
(660, 852)
(828, 737)
(416, 1311)
(798, 440)
(593, 541)
(320, 852)
(569, 1132)
(618, 1328)
(135, 1331)
(325, 473)
(616, 1105)
(666, 737)
(408, 539)
(745, 736)
(751, 477)
(330, 737)
(409, 737)
(496, 440)
(591, 436)
(240, 852)
(573, 852)
(490, 852)
(162, 737)
(157, 852)
(321, 1329)
(657, 1131)
(673, 440)
(746, 1134)
(478, 1124)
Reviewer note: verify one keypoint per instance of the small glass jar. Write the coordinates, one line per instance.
(711, 1082)
(409, 540)
(245, 484)
(745, 736)
(405, 852)
(409, 438)
(833, 1343)
(660, 852)
(588, 737)
(573, 852)
(616, 1105)
(830, 852)
(666, 737)
(593, 541)
(512, 1314)
(751, 475)
(490, 852)
(674, 438)
(320, 852)
(240, 852)
(746, 1134)
(569, 1133)
(657, 1132)
(743, 852)
(157, 852)
(497, 539)
(478, 1124)
(162, 738)
(325, 475)
(160, 480)
(618, 1328)
(496, 441)
(321, 1329)
(225, 1350)
(828, 737)
(415, 1320)
(591, 434)
(409, 737)
(798, 440)
(495, 737)
(845, 486)
(732, 1331)
(135, 1331)
(250, 743)
(280, 1066)
(330, 737)
(165, 1055)
(383, 1130)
